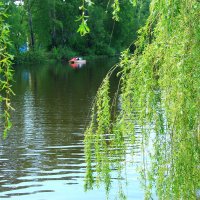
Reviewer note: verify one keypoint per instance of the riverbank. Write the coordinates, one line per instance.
(41, 56)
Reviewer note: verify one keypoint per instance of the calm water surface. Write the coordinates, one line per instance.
(43, 157)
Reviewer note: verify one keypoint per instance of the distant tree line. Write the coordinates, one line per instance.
(51, 26)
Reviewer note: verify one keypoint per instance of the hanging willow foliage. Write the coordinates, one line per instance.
(6, 71)
(83, 19)
(160, 92)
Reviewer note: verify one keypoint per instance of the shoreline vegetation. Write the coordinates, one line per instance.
(54, 29)
(42, 56)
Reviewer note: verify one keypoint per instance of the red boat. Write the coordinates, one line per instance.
(77, 60)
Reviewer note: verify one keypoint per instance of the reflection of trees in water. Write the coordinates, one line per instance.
(51, 109)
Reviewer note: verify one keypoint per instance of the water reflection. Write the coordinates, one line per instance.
(43, 157)
(76, 65)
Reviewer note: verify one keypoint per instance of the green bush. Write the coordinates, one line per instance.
(104, 49)
(61, 53)
(36, 56)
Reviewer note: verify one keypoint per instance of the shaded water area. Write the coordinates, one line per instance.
(43, 156)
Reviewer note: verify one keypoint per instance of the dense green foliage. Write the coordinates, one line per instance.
(56, 26)
(159, 88)
(159, 91)
(5, 71)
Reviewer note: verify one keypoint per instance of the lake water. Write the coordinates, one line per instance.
(43, 156)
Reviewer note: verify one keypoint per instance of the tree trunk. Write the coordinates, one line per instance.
(53, 35)
(30, 22)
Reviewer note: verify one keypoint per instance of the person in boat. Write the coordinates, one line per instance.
(78, 58)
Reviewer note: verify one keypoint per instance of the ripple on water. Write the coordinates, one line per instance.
(43, 156)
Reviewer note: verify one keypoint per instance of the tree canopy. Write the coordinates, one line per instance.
(5, 71)
(56, 26)
(159, 92)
